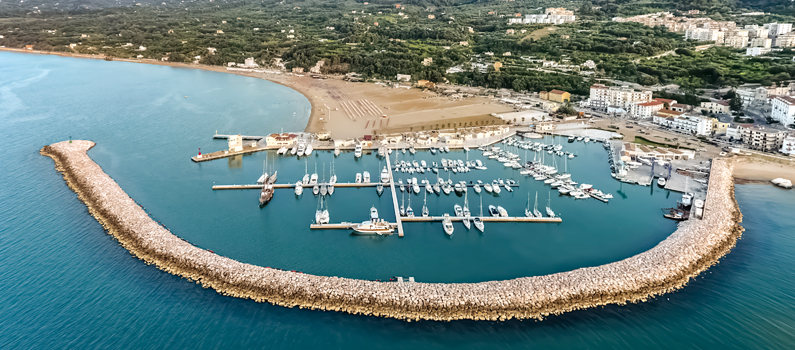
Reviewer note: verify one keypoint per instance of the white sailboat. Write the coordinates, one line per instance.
(527, 211)
(305, 180)
(479, 223)
(425, 211)
(536, 213)
(550, 213)
(322, 215)
(466, 213)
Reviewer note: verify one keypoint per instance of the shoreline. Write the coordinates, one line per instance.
(349, 110)
(695, 246)
(312, 123)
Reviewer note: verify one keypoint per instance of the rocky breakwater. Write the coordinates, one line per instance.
(691, 249)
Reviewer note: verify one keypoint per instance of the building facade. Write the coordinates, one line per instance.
(644, 110)
(622, 97)
(716, 106)
(783, 110)
(788, 145)
(688, 124)
(759, 138)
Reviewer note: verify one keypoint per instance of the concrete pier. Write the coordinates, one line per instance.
(348, 225)
(394, 195)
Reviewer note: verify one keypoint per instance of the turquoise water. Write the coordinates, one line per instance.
(66, 284)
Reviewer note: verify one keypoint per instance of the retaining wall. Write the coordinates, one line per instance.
(691, 249)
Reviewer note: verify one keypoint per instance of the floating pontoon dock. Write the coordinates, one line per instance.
(336, 185)
(349, 225)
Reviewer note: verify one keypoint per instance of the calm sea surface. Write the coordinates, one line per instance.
(64, 283)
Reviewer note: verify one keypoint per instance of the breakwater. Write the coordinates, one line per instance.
(691, 249)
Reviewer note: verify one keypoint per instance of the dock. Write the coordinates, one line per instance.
(336, 185)
(247, 149)
(394, 196)
(349, 225)
(245, 137)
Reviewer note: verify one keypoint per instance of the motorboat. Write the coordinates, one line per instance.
(316, 189)
(330, 189)
(495, 187)
(384, 175)
(337, 151)
(301, 149)
(299, 188)
(502, 211)
(313, 179)
(357, 152)
(294, 150)
(366, 177)
(661, 182)
(358, 178)
(493, 211)
(508, 188)
(308, 150)
(412, 150)
(458, 211)
(414, 186)
(379, 189)
(488, 188)
(476, 187)
(428, 187)
(447, 224)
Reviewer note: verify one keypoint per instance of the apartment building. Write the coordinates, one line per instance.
(688, 124)
(646, 109)
(705, 34)
(776, 29)
(784, 40)
(788, 145)
(615, 96)
(759, 138)
(716, 106)
(765, 43)
(783, 110)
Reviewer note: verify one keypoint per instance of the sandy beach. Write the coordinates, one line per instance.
(347, 109)
(757, 169)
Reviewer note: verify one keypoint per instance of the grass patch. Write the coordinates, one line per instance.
(645, 141)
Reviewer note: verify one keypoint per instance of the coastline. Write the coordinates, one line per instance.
(351, 109)
(692, 248)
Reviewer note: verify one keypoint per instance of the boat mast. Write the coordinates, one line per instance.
(535, 206)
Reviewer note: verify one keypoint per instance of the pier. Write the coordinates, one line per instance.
(245, 137)
(394, 196)
(349, 225)
(336, 185)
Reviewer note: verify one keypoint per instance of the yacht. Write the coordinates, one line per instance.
(428, 187)
(493, 211)
(414, 186)
(323, 190)
(336, 151)
(357, 152)
(476, 187)
(358, 178)
(379, 189)
(502, 211)
(299, 188)
(401, 186)
(384, 176)
(366, 177)
(294, 150)
(330, 189)
(379, 227)
(301, 148)
(495, 186)
(447, 224)
(437, 189)
(322, 215)
(308, 150)
(458, 188)
(488, 188)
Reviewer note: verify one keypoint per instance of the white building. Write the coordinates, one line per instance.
(756, 51)
(733, 132)
(704, 34)
(646, 109)
(248, 63)
(759, 138)
(788, 145)
(761, 42)
(783, 110)
(689, 124)
(621, 97)
(776, 29)
(551, 16)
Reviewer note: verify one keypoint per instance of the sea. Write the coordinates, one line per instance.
(65, 283)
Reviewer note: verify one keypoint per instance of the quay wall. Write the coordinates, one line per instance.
(692, 248)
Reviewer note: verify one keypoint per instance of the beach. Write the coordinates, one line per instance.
(353, 109)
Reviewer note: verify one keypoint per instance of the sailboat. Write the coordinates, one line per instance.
(321, 216)
(550, 213)
(479, 223)
(305, 180)
(323, 188)
(527, 211)
(465, 212)
(536, 213)
(425, 211)
(402, 207)
(264, 176)
(313, 177)
(409, 211)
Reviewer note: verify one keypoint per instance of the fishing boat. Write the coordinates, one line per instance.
(357, 151)
(379, 189)
(447, 224)
(493, 211)
(477, 221)
(550, 213)
(299, 188)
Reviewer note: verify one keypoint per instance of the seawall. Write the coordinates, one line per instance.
(692, 248)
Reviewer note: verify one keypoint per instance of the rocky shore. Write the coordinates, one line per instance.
(692, 248)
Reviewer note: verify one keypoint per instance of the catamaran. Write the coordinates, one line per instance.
(322, 215)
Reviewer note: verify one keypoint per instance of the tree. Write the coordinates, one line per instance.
(567, 109)
(736, 103)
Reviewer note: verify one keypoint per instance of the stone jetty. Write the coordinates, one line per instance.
(692, 248)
